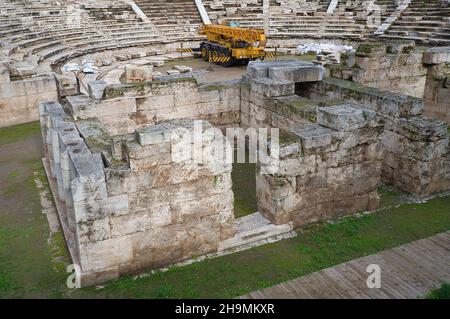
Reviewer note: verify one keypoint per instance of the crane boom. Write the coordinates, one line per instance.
(240, 34)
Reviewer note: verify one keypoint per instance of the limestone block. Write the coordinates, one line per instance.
(182, 68)
(81, 107)
(208, 95)
(93, 209)
(314, 137)
(374, 152)
(426, 151)
(141, 158)
(138, 73)
(90, 182)
(173, 72)
(297, 166)
(155, 134)
(301, 73)
(119, 106)
(94, 230)
(22, 69)
(153, 217)
(186, 98)
(213, 205)
(278, 186)
(155, 102)
(4, 74)
(270, 87)
(422, 128)
(437, 55)
(137, 54)
(229, 90)
(121, 57)
(106, 253)
(345, 117)
(257, 70)
(66, 84)
(96, 89)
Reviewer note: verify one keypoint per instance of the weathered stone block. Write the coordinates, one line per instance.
(421, 128)
(297, 74)
(269, 87)
(4, 74)
(313, 137)
(119, 106)
(96, 89)
(437, 55)
(346, 117)
(106, 253)
(81, 107)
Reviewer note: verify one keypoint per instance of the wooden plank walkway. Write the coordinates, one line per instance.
(407, 271)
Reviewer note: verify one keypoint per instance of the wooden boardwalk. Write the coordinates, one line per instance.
(407, 271)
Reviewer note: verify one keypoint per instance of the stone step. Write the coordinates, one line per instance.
(254, 228)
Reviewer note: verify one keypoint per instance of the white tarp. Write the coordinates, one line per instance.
(318, 48)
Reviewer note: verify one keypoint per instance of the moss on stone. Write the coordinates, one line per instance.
(287, 137)
(368, 48)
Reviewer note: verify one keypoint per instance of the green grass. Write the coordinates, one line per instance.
(442, 292)
(32, 262)
(16, 133)
(244, 187)
(390, 197)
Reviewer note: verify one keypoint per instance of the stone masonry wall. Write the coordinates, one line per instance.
(417, 155)
(123, 108)
(18, 99)
(437, 89)
(393, 66)
(416, 149)
(326, 170)
(144, 210)
(267, 94)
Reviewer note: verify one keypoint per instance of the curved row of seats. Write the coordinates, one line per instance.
(47, 32)
(425, 21)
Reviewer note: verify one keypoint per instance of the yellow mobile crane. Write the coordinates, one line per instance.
(227, 45)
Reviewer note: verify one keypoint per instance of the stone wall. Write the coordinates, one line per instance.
(129, 198)
(326, 170)
(394, 66)
(125, 107)
(145, 209)
(18, 99)
(416, 154)
(437, 89)
(267, 94)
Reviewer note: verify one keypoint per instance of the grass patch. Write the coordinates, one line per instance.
(391, 197)
(442, 292)
(243, 176)
(13, 134)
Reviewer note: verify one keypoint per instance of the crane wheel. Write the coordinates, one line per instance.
(215, 55)
(205, 53)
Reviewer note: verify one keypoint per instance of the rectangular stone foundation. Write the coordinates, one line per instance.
(130, 200)
(146, 212)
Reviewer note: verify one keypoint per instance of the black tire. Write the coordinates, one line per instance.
(204, 51)
(214, 54)
(226, 53)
